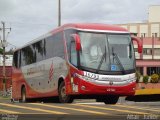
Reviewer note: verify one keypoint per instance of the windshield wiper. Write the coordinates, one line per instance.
(102, 59)
(118, 60)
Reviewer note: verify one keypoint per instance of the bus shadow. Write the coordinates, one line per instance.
(43, 100)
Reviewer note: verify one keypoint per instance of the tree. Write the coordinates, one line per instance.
(1, 50)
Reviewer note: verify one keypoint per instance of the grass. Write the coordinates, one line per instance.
(4, 97)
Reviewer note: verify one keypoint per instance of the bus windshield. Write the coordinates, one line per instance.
(106, 51)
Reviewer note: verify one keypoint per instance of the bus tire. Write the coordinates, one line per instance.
(23, 95)
(63, 98)
(111, 99)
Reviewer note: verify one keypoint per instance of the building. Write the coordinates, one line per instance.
(8, 61)
(154, 15)
(149, 32)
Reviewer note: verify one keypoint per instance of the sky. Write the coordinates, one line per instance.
(30, 19)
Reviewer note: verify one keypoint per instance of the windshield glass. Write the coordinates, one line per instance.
(106, 52)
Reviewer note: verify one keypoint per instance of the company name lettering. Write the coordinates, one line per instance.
(110, 78)
(36, 69)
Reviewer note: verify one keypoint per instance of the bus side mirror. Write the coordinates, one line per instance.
(139, 43)
(77, 41)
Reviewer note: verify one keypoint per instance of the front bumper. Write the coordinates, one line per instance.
(90, 88)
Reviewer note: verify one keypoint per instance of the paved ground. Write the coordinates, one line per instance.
(79, 110)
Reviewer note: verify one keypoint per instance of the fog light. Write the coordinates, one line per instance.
(83, 88)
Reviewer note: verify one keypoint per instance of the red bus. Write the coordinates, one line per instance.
(76, 60)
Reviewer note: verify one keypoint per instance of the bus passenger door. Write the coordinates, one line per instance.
(74, 64)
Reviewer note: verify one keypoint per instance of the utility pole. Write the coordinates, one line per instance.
(59, 12)
(4, 69)
(4, 45)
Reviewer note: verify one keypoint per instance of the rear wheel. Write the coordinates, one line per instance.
(63, 98)
(23, 95)
(111, 99)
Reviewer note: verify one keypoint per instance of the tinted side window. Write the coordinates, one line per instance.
(54, 46)
(15, 59)
(40, 50)
(68, 39)
(48, 47)
(28, 55)
(73, 58)
(19, 58)
(58, 45)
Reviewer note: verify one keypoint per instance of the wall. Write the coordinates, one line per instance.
(8, 76)
(154, 15)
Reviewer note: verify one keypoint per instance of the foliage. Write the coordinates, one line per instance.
(159, 76)
(154, 78)
(1, 50)
(145, 78)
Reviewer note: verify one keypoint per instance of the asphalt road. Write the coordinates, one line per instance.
(79, 110)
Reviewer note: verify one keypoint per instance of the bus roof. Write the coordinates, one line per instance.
(95, 26)
(81, 26)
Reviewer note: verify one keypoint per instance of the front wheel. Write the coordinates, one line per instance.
(111, 99)
(63, 98)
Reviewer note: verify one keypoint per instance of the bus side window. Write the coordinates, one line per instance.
(19, 59)
(73, 56)
(15, 59)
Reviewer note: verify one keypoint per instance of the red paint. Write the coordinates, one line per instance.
(95, 27)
